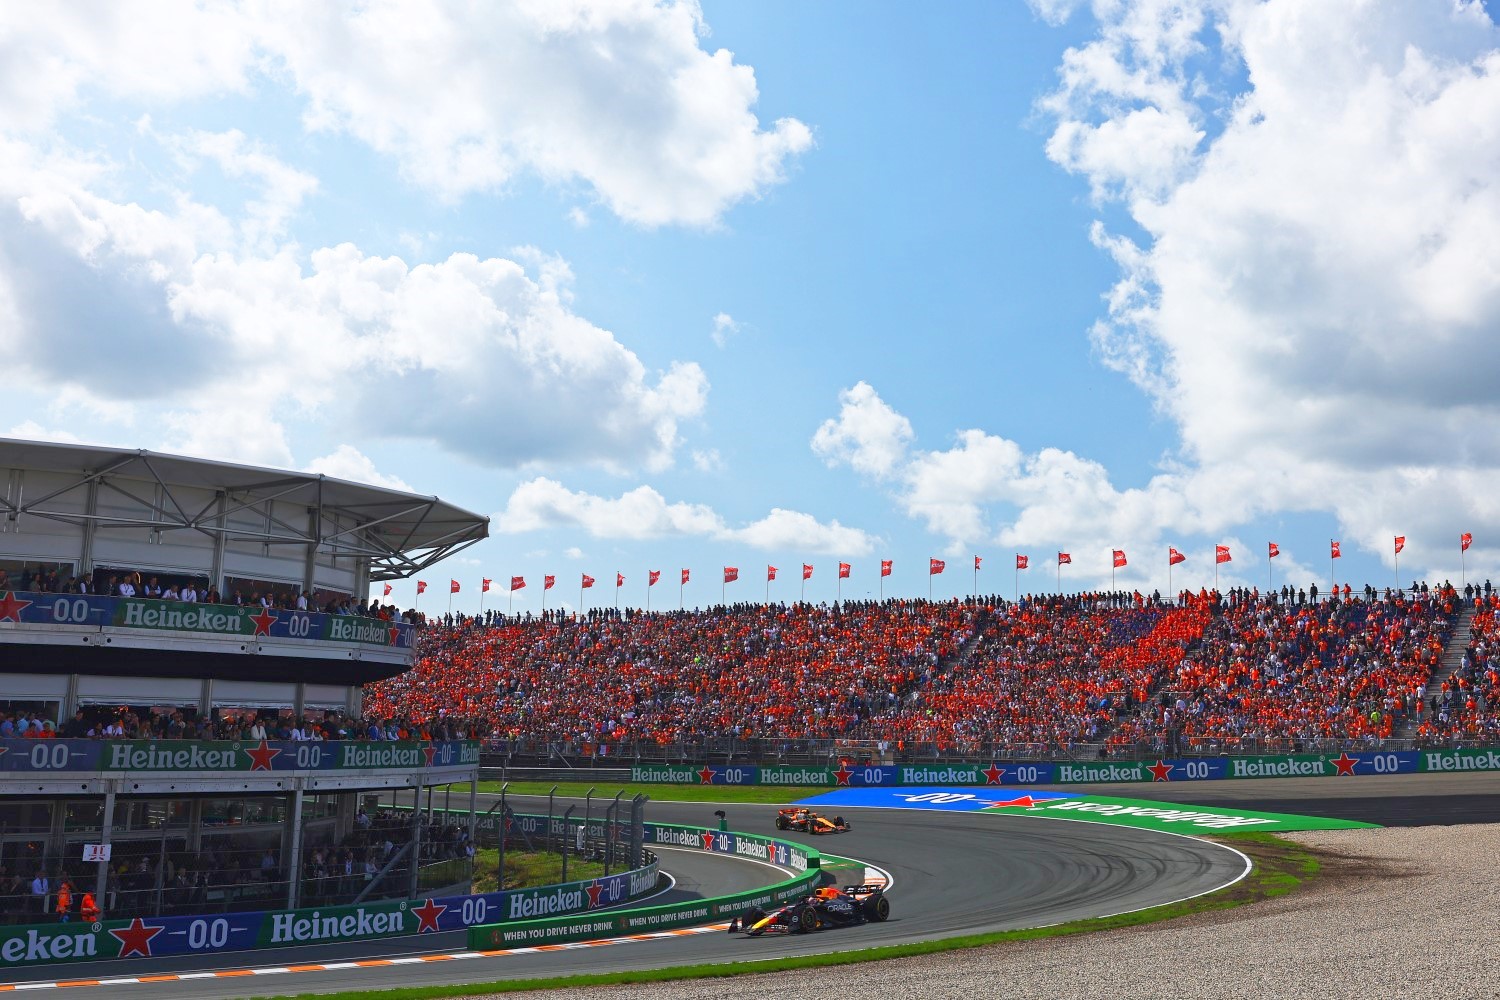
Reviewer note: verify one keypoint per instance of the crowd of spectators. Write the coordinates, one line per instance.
(138, 723)
(1287, 674)
(1128, 672)
(745, 671)
(1051, 673)
(1465, 707)
(197, 590)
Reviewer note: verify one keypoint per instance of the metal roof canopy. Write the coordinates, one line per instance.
(399, 533)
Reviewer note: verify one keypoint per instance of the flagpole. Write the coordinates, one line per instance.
(580, 595)
(544, 595)
(1018, 580)
(1059, 577)
(1463, 564)
(839, 587)
(1270, 563)
(1169, 571)
(510, 601)
(768, 588)
(648, 591)
(1330, 562)
(680, 604)
(481, 597)
(929, 579)
(1397, 557)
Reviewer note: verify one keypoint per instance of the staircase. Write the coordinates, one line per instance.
(1448, 664)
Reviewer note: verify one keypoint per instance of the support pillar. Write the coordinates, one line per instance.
(294, 854)
(106, 824)
(416, 841)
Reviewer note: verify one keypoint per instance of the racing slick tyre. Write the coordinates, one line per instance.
(878, 909)
(839, 822)
(753, 916)
(807, 920)
(781, 823)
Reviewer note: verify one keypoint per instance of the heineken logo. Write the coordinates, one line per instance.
(48, 946)
(294, 927)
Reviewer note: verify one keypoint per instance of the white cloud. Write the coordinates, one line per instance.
(708, 460)
(616, 95)
(30, 430)
(1314, 293)
(348, 462)
(867, 434)
(643, 513)
(573, 552)
(724, 328)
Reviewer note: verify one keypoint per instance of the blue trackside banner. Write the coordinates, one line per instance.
(91, 610)
(1027, 773)
(213, 756)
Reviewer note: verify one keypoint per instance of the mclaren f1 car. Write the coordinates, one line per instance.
(809, 822)
(827, 907)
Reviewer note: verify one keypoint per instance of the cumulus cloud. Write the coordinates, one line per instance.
(505, 371)
(1313, 290)
(617, 95)
(348, 462)
(643, 513)
(868, 434)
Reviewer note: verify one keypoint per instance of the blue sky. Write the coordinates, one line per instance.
(662, 286)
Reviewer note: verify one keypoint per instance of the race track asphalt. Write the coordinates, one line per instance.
(954, 873)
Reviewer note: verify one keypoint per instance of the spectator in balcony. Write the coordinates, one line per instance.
(40, 887)
(189, 593)
(170, 594)
(152, 589)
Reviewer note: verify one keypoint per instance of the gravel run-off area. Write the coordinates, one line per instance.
(1411, 912)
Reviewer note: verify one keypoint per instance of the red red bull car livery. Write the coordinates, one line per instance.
(828, 907)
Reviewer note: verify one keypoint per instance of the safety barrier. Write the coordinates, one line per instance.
(1047, 772)
(800, 858)
(152, 937)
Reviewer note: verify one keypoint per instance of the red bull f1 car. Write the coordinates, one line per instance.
(828, 907)
(809, 822)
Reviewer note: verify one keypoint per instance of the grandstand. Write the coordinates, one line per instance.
(1091, 675)
(183, 647)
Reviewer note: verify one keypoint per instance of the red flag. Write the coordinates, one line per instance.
(976, 562)
(731, 574)
(588, 581)
(619, 579)
(1173, 557)
(387, 590)
(1221, 554)
(1063, 559)
(1334, 550)
(421, 587)
(684, 576)
(517, 583)
(935, 566)
(452, 586)
(484, 585)
(1022, 562)
(1400, 543)
(1464, 541)
(1119, 557)
(843, 571)
(770, 573)
(652, 577)
(1275, 551)
(885, 567)
(548, 582)
(806, 571)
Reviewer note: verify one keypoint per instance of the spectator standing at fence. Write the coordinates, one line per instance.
(64, 902)
(40, 887)
(88, 910)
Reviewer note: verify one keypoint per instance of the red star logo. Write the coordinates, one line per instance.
(135, 939)
(1160, 771)
(1344, 763)
(261, 756)
(993, 774)
(1024, 802)
(429, 751)
(395, 634)
(708, 841)
(842, 774)
(10, 607)
(263, 621)
(427, 916)
(706, 776)
(595, 889)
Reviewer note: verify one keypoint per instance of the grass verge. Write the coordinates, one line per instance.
(523, 868)
(1280, 868)
(661, 793)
